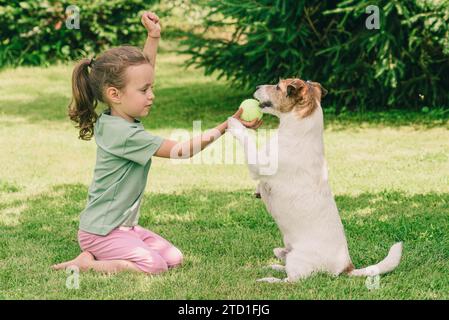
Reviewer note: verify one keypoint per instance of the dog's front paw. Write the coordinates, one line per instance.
(235, 127)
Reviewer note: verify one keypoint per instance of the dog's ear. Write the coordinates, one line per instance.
(294, 87)
(323, 90)
(320, 88)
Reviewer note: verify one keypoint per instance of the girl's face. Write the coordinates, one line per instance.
(136, 99)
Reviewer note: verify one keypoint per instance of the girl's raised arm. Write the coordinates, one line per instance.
(151, 23)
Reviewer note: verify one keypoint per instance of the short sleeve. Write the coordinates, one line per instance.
(140, 146)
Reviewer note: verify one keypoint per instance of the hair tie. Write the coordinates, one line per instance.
(91, 62)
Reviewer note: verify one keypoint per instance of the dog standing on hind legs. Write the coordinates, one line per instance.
(297, 194)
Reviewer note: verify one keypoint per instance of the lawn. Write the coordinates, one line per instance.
(389, 174)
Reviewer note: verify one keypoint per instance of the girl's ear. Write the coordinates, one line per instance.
(113, 94)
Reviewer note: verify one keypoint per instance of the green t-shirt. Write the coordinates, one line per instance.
(124, 152)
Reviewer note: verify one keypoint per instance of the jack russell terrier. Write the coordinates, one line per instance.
(297, 194)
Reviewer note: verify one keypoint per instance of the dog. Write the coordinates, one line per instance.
(297, 194)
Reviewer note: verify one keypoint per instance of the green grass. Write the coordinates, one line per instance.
(389, 173)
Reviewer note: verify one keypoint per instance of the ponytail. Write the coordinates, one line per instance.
(82, 107)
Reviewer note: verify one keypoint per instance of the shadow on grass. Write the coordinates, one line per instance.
(174, 107)
(199, 221)
(219, 231)
(391, 118)
(212, 103)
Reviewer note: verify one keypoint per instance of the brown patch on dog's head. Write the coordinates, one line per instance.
(294, 95)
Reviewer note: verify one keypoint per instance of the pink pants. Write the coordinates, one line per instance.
(150, 252)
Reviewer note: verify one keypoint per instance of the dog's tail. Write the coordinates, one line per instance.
(388, 264)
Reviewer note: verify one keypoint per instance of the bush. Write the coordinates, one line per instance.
(34, 32)
(404, 64)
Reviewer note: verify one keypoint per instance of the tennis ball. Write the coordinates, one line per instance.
(251, 110)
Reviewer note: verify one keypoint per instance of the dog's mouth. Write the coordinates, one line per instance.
(263, 104)
(266, 104)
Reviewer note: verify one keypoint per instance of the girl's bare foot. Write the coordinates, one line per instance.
(83, 262)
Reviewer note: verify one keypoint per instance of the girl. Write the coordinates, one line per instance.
(109, 234)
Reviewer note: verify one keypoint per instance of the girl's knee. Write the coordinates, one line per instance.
(159, 267)
(153, 265)
(173, 257)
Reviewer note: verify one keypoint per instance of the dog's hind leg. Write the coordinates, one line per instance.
(272, 280)
(277, 267)
(280, 253)
(297, 267)
(296, 270)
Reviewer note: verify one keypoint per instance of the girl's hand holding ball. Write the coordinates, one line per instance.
(251, 110)
(249, 114)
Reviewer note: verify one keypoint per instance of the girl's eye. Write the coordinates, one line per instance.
(147, 88)
(277, 87)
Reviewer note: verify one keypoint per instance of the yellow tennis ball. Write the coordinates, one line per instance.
(251, 110)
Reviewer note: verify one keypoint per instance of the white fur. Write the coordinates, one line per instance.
(299, 198)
